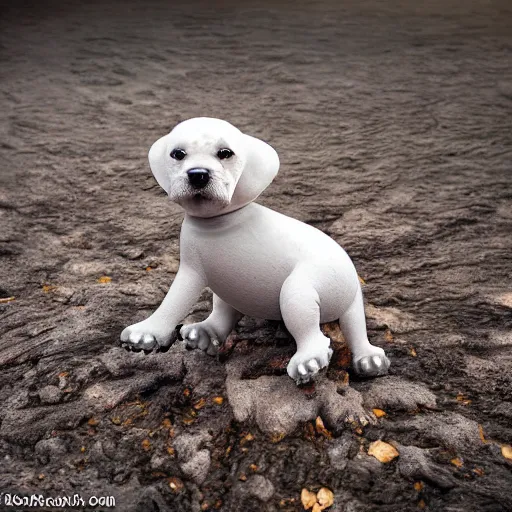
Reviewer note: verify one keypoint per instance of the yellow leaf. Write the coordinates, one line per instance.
(170, 451)
(308, 499)
(253, 467)
(361, 280)
(482, 435)
(200, 404)
(276, 437)
(478, 471)
(457, 462)
(175, 484)
(382, 451)
(48, 288)
(412, 351)
(325, 497)
(379, 413)
(149, 269)
(506, 451)
(422, 504)
(418, 486)
(146, 445)
(320, 428)
(104, 280)
(5, 300)
(218, 400)
(166, 423)
(116, 421)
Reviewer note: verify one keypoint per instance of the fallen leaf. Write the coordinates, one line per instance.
(149, 269)
(388, 336)
(170, 451)
(379, 413)
(242, 477)
(361, 280)
(253, 467)
(104, 280)
(82, 449)
(308, 499)
(92, 422)
(478, 471)
(325, 497)
(218, 400)
(276, 437)
(506, 451)
(457, 462)
(116, 421)
(41, 476)
(246, 438)
(166, 423)
(382, 451)
(418, 486)
(317, 508)
(175, 484)
(200, 404)
(5, 300)
(146, 445)
(320, 428)
(482, 435)
(186, 392)
(48, 288)
(422, 504)
(412, 351)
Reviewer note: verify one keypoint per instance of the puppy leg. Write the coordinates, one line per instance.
(157, 330)
(211, 333)
(299, 303)
(367, 360)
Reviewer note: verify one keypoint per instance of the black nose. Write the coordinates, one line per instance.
(198, 178)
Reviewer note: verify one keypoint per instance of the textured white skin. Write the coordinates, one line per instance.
(256, 261)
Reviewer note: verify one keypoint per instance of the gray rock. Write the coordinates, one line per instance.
(451, 430)
(397, 394)
(50, 395)
(259, 487)
(48, 449)
(198, 466)
(415, 464)
(338, 450)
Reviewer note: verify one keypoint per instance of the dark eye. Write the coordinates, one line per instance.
(178, 154)
(225, 153)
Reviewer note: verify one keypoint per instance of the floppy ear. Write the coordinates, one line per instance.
(261, 166)
(157, 157)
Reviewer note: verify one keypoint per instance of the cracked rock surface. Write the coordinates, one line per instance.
(393, 122)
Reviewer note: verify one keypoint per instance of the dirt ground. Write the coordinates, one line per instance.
(393, 122)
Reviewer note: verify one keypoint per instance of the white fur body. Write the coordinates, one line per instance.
(247, 255)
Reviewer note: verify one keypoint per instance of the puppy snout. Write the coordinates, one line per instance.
(198, 178)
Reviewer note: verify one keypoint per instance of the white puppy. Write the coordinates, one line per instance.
(256, 261)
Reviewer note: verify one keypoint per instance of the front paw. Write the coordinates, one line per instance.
(374, 364)
(201, 336)
(146, 336)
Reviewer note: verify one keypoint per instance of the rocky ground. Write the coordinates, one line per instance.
(393, 122)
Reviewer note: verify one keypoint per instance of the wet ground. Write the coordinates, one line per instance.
(393, 122)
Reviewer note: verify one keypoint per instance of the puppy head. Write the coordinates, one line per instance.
(209, 167)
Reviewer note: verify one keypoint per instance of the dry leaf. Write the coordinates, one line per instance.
(104, 280)
(253, 467)
(506, 451)
(200, 404)
(422, 504)
(388, 336)
(48, 288)
(149, 269)
(382, 451)
(242, 477)
(317, 508)
(412, 351)
(308, 499)
(320, 428)
(325, 497)
(218, 400)
(379, 413)
(418, 486)
(175, 484)
(92, 422)
(116, 421)
(361, 280)
(170, 451)
(5, 300)
(457, 462)
(146, 445)
(166, 423)
(276, 437)
(482, 435)
(478, 471)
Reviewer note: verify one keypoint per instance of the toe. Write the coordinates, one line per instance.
(313, 366)
(148, 342)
